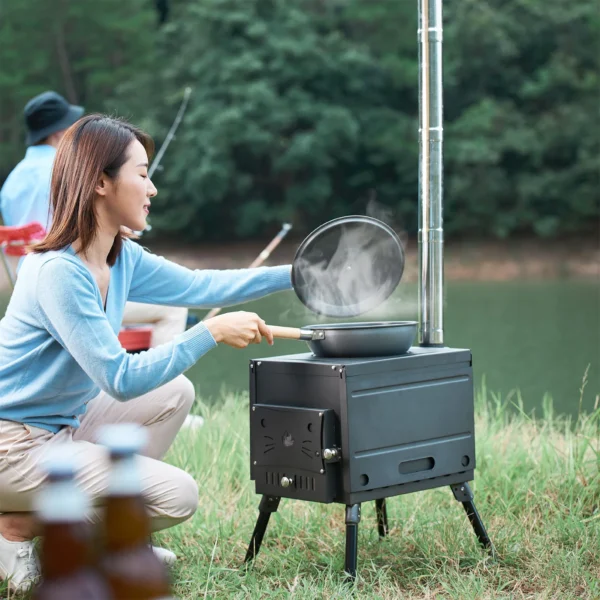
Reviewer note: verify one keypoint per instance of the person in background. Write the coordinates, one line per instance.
(25, 197)
(26, 192)
(64, 374)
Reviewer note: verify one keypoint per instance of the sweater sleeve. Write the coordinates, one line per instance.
(71, 309)
(156, 280)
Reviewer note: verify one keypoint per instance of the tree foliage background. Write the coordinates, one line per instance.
(303, 110)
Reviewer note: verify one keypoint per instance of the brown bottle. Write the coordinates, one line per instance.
(66, 557)
(131, 568)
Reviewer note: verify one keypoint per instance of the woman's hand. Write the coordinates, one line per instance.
(238, 329)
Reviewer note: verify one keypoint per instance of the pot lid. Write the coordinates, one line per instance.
(348, 266)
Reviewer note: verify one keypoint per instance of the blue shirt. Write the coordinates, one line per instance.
(59, 346)
(25, 194)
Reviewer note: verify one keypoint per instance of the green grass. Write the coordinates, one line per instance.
(537, 488)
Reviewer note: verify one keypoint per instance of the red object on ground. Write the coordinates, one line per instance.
(14, 241)
(135, 338)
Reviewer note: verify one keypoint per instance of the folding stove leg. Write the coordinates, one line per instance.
(268, 505)
(352, 521)
(382, 520)
(463, 493)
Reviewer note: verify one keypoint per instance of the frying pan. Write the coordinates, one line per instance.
(351, 340)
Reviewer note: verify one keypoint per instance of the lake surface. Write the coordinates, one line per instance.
(538, 337)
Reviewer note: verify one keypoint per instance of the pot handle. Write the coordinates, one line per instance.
(295, 333)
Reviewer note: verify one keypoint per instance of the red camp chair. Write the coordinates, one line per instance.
(14, 241)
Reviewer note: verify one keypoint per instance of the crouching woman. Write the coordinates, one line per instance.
(63, 373)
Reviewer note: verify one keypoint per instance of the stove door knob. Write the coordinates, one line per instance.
(285, 482)
(330, 453)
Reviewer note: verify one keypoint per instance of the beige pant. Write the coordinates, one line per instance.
(171, 494)
(168, 321)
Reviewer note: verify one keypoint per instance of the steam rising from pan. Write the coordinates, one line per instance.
(348, 266)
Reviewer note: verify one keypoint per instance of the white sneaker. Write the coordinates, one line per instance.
(193, 422)
(19, 564)
(165, 556)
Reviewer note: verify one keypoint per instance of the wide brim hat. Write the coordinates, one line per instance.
(48, 113)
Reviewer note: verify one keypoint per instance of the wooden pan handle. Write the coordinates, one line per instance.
(286, 333)
(294, 333)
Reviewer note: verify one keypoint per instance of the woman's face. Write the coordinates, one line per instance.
(127, 198)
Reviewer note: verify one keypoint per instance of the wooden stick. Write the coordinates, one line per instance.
(11, 278)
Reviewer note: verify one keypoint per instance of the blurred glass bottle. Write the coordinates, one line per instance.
(131, 568)
(68, 572)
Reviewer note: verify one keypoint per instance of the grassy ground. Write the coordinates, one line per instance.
(537, 488)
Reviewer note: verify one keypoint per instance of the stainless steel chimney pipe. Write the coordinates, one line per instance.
(431, 136)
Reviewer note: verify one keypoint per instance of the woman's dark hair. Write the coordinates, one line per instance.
(93, 145)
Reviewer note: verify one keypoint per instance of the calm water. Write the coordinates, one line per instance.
(535, 336)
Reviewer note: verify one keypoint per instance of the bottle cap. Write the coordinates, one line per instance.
(123, 439)
(59, 462)
(61, 499)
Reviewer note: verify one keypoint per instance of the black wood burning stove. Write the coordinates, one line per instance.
(351, 430)
(348, 431)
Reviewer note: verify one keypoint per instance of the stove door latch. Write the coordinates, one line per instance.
(331, 455)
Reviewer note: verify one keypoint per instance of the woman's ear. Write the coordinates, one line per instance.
(102, 185)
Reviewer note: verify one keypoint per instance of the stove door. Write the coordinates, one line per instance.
(286, 452)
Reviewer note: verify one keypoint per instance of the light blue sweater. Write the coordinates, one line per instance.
(59, 348)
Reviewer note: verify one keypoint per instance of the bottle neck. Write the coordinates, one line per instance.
(66, 549)
(127, 523)
(63, 509)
